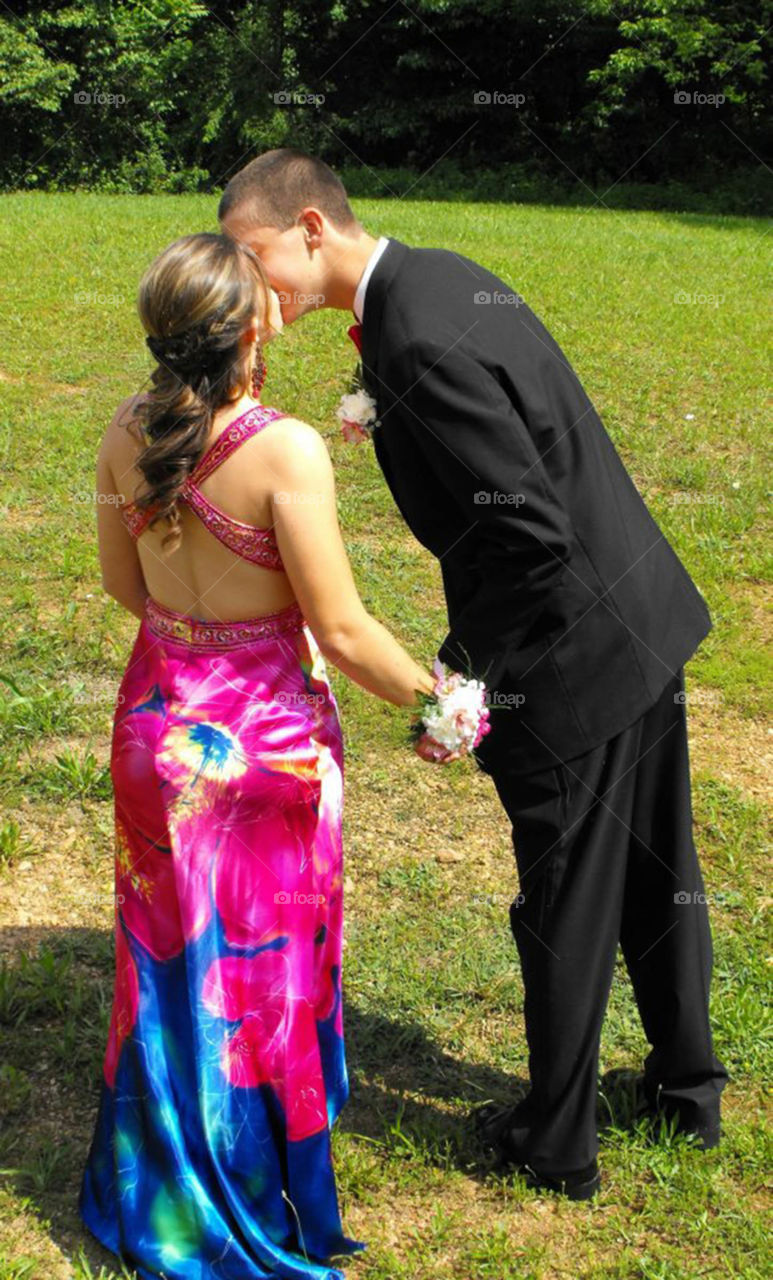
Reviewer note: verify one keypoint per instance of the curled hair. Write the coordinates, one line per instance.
(195, 301)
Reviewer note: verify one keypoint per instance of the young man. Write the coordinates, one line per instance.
(566, 598)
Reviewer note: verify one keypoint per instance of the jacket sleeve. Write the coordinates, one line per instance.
(479, 448)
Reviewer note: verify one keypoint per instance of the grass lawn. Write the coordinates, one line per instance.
(433, 1010)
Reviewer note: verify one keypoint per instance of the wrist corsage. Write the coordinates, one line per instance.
(454, 717)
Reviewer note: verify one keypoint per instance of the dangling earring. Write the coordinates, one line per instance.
(258, 372)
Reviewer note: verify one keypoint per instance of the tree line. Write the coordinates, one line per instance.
(172, 95)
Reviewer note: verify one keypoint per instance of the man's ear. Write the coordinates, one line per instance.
(312, 223)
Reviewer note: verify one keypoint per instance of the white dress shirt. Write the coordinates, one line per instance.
(359, 297)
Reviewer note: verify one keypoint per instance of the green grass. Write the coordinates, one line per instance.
(433, 1015)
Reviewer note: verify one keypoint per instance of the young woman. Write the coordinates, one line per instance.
(225, 1065)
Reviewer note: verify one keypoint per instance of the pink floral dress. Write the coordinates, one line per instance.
(224, 1069)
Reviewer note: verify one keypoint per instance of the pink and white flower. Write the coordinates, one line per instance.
(455, 716)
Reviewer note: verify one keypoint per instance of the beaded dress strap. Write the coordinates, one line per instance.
(243, 428)
(248, 541)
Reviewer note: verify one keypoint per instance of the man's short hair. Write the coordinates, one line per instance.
(273, 189)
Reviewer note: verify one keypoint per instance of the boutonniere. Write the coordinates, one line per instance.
(357, 411)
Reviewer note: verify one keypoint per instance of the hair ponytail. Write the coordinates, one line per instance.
(195, 302)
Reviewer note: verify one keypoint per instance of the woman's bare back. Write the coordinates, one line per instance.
(202, 577)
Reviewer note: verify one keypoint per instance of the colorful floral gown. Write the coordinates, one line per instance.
(225, 1067)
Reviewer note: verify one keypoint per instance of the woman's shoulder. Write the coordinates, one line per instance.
(294, 439)
(128, 416)
(294, 456)
(124, 433)
(123, 439)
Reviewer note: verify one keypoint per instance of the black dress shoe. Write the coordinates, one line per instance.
(491, 1120)
(583, 1184)
(629, 1101)
(579, 1184)
(622, 1099)
(493, 1125)
(705, 1138)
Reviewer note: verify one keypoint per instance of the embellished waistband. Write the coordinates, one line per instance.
(203, 633)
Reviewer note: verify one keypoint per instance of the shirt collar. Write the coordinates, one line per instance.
(359, 297)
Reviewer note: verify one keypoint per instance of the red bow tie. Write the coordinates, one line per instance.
(355, 333)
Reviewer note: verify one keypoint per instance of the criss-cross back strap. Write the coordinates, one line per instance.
(241, 429)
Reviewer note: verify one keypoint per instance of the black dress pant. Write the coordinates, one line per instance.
(605, 855)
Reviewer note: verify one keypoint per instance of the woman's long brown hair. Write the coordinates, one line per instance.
(195, 301)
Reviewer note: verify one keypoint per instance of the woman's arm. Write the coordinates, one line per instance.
(122, 576)
(315, 560)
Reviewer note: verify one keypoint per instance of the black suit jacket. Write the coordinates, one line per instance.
(562, 592)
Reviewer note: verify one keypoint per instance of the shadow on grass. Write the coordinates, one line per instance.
(390, 1062)
(407, 1094)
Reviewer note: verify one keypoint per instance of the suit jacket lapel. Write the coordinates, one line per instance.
(378, 286)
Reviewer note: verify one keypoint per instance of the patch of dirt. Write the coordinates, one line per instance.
(52, 388)
(64, 876)
(732, 748)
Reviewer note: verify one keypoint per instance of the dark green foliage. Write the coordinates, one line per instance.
(183, 91)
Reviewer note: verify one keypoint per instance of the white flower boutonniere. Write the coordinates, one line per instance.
(357, 412)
